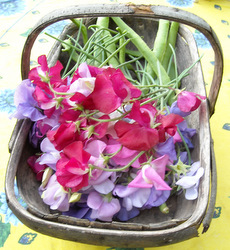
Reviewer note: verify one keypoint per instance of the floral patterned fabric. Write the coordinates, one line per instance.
(17, 17)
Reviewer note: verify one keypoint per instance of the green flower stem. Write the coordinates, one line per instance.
(122, 51)
(114, 53)
(129, 62)
(73, 47)
(143, 48)
(154, 98)
(73, 54)
(186, 146)
(108, 120)
(119, 169)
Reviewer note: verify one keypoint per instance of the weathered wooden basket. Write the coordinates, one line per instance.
(151, 227)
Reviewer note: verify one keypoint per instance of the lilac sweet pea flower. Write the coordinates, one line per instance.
(190, 181)
(26, 106)
(54, 195)
(103, 208)
(132, 197)
(50, 156)
(103, 184)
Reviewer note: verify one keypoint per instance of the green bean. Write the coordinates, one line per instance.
(160, 42)
(172, 37)
(143, 48)
(104, 22)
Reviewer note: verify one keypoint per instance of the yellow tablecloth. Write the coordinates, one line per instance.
(17, 17)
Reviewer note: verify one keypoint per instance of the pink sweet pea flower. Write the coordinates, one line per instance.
(152, 175)
(189, 101)
(41, 74)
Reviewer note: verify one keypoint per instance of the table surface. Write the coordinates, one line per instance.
(17, 17)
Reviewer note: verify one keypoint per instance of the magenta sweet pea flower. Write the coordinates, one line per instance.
(113, 88)
(124, 155)
(175, 110)
(144, 115)
(168, 125)
(189, 101)
(145, 138)
(65, 134)
(72, 168)
(152, 175)
(38, 169)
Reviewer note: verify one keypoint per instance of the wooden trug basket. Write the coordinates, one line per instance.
(151, 228)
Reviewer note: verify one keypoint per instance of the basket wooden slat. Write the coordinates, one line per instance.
(150, 228)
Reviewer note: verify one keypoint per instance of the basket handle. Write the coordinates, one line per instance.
(150, 11)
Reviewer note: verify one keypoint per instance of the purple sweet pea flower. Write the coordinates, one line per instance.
(80, 209)
(186, 132)
(54, 195)
(156, 198)
(190, 181)
(124, 215)
(103, 207)
(167, 147)
(26, 106)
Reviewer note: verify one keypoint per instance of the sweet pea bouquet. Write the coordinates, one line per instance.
(107, 146)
